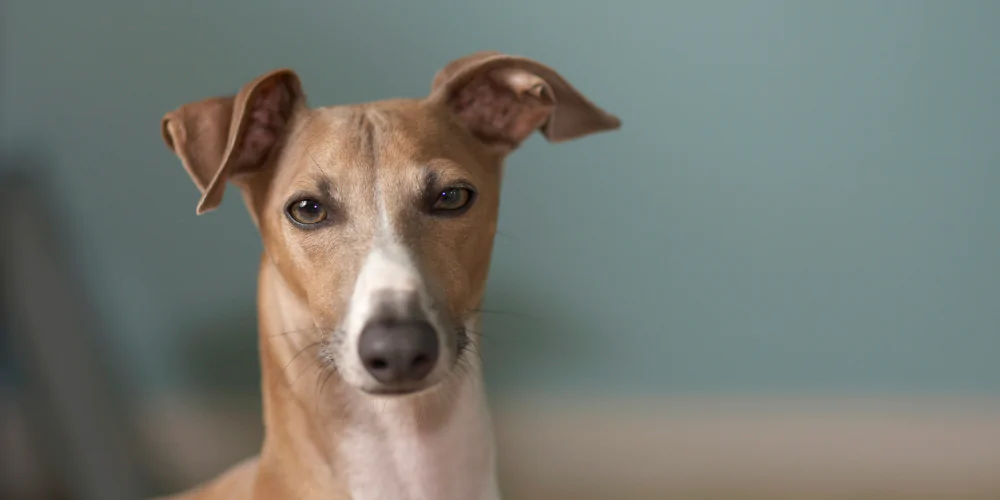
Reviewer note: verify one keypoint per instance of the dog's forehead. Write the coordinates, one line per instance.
(377, 139)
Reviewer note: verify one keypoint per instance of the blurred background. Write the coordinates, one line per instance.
(781, 278)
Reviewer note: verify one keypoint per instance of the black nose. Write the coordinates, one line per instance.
(398, 351)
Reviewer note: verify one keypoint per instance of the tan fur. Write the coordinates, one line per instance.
(270, 143)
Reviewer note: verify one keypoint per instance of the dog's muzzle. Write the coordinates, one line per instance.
(397, 343)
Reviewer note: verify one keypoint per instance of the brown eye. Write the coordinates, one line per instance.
(307, 212)
(451, 199)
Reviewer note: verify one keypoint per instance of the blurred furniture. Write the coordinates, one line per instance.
(64, 425)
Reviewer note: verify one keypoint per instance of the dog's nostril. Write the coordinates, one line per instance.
(420, 361)
(398, 352)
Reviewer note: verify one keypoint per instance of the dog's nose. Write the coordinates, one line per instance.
(396, 352)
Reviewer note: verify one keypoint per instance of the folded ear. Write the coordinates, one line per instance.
(221, 138)
(502, 99)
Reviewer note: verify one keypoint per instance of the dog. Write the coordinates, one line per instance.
(377, 222)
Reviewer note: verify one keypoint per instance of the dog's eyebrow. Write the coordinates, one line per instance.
(320, 186)
(325, 187)
(431, 180)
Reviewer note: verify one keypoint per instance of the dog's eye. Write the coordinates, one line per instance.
(307, 212)
(453, 198)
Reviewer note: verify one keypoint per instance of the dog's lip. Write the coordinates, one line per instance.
(397, 391)
(427, 385)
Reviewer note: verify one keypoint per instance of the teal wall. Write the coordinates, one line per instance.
(803, 196)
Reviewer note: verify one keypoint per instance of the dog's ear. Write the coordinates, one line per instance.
(223, 138)
(502, 99)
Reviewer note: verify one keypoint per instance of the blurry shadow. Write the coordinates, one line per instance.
(215, 420)
(220, 357)
(528, 334)
(530, 338)
(60, 373)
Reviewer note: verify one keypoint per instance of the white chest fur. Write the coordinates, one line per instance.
(389, 454)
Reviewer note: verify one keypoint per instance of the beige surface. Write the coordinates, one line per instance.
(726, 448)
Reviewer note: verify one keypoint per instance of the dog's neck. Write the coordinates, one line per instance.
(326, 440)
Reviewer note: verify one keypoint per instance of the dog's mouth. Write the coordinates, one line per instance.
(400, 391)
(397, 391)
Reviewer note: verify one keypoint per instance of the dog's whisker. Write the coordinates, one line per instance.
(463, 362)
(302, 372)
(293, 332)
(299, 353)
(476, 332)
(506, 313)
(319, 392)
(465, 370)
(473, 348)
(481, 335)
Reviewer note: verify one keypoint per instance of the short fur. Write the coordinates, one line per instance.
(328, 434)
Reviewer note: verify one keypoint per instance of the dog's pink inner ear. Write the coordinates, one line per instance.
(503, 106)
(268, 114)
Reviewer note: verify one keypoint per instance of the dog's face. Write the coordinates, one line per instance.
(380, 217)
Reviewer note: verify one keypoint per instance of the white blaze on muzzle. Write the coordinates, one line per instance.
(388, 273)
(389, 285)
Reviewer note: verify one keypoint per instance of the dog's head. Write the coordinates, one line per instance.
(380, 217)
